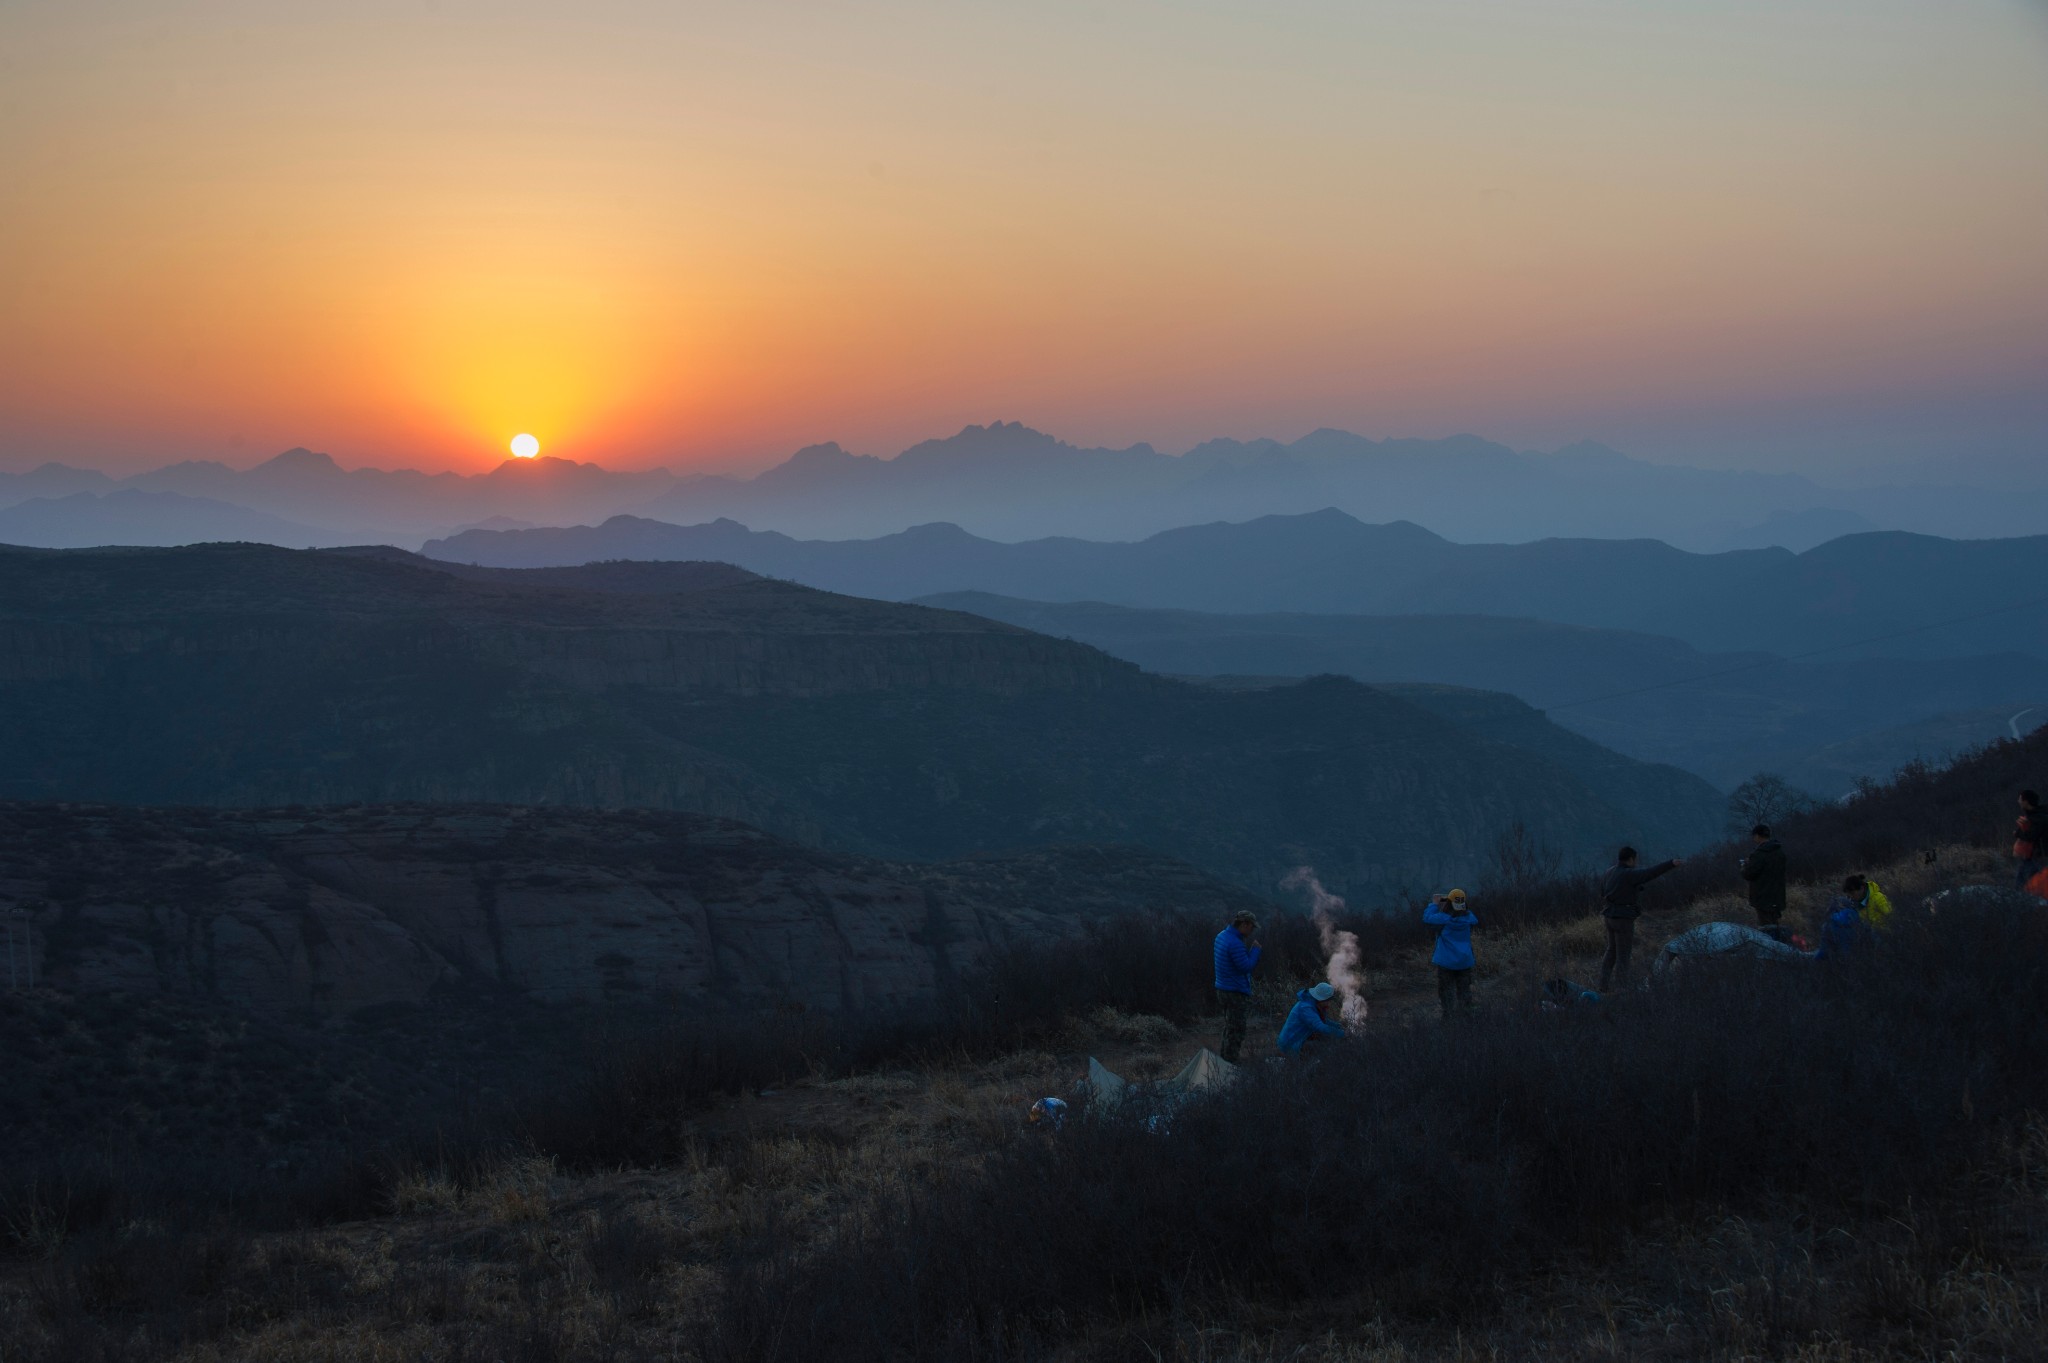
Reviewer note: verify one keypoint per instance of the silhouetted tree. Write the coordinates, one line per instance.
(1520, 862)
(1765, 798)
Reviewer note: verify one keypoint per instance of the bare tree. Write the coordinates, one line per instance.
(1765, 798)
(1520, 862)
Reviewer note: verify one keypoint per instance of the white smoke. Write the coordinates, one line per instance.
(1343, 970)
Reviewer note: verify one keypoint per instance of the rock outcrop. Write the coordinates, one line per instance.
(336, 910)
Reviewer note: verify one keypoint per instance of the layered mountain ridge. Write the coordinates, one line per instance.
(1007, 481)
(1878, 594)
(242, 675)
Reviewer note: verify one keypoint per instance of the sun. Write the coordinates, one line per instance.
(525, 446)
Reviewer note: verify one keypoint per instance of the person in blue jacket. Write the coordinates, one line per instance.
(1307, 1021)
(1237, 954)
(1844, 929)
(1454, 921)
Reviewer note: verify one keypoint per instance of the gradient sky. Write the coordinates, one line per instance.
(1803, 234)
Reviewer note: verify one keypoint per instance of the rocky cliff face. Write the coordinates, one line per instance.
(337, 910)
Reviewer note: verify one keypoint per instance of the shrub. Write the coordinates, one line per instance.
(1416, 1163)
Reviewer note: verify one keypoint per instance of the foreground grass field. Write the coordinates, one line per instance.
(1798, 1163)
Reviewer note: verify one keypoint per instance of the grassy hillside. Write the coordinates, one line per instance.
(1838, 1161)
(242, 675)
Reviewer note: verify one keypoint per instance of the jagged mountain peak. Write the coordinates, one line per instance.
(299, 459)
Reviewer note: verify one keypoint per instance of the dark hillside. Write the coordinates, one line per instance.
(238, 976)
(1970, 803)
(243, 675)
(1854, 588)
(1981, 596)
(1725, 716)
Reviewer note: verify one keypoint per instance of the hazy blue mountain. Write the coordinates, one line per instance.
(128, 516)
(1008, 482)
(1799, 530)
(245, 675)
(1005, 481)
(50, 481)
(1836, 768)
(1957, 598)
(375, 503)
(1725, 716)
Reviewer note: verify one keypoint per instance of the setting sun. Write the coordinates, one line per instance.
(525, 446)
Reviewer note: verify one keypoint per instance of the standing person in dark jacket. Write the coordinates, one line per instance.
(1764, 869)
(1619, 892)
(1236, 956)
(2029, 839)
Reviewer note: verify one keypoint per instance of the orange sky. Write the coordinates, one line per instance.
(702, 235)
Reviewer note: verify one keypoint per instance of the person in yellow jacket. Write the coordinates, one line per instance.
(1871, 905)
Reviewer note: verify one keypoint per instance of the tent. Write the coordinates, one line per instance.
(1725, 942)
(1991, 896)
(1206, 1072)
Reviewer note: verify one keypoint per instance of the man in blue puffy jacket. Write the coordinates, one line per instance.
(1453, 959)
(1306, 1021)
(1236, 956)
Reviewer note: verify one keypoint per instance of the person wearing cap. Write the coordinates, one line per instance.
(1454, 921)
(1309, 1020)
(1236, 956)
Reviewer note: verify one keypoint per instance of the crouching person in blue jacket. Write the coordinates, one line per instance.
(1844, 931)
(1453, 959)
(1309, 1020)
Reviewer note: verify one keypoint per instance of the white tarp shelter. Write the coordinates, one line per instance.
(1726, 942)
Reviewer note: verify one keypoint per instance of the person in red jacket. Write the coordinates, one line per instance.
(2029, 839)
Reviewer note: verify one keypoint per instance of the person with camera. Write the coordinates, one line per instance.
(1454, 920)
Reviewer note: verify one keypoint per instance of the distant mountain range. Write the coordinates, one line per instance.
(130, 516)
(1871, 595)
(1821, 724)
(1006, 481)
(247, 675)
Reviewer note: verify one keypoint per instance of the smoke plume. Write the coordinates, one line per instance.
(1339, 946)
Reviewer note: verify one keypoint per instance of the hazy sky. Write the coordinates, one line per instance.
(1791, 233)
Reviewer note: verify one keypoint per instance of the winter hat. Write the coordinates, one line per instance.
(1322, 993)
(1457, 896)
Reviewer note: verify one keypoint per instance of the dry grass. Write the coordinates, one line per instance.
(523, 1261)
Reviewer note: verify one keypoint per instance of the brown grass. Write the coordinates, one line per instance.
(524, 1261)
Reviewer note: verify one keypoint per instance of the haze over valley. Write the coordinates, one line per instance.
(1006, 481)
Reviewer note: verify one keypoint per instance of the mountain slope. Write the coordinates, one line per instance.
(340, 909)
(1723, 715)
(129, 516)
(245, 675)
(1010, 482)
(1920, 597)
